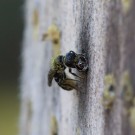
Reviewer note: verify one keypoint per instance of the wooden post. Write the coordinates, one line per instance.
(105, 31)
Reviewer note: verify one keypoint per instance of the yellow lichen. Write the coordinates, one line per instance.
(54, 126)
(126, 4)
(127, 90)
(53, 34)
(78, 131)
(35, 22)
(109, 91)
(132, 115)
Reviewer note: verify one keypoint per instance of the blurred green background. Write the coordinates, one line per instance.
(11, 26)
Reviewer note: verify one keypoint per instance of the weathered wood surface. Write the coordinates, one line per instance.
(105, 30)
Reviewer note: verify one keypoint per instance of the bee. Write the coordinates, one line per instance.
(60, 63)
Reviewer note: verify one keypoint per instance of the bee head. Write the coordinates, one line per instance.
(82, 64)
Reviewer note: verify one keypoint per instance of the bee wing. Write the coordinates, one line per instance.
(51, 76)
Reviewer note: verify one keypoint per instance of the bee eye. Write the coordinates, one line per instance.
(69, 59)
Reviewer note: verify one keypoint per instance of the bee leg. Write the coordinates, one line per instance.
(50, 76)
(70, 71)
(69, 83)
(72, 79)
